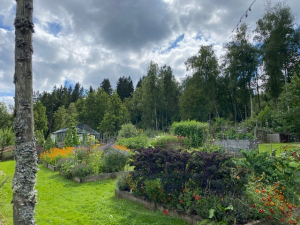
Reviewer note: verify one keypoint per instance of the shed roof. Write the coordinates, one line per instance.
(80, 130)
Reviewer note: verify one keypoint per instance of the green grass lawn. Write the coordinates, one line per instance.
(279, 147)
(62, 201)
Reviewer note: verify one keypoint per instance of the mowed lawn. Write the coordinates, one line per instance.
(62, 201)
(279, 147)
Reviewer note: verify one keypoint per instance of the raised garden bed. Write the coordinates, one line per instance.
(99, 177)
(192, 219)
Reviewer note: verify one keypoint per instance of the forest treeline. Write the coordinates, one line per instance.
(256, 80)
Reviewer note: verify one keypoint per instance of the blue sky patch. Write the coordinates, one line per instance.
(5, 27)
(54, 28)
(174, 44)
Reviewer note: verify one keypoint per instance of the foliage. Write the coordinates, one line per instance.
(124, 87)
(280, 168)
(140, 141)
(7, 137)
(127, 130)
(92, 108)
(72, 138)
(39, 135)
(5, 117)
(234, 133)
(268, 199)
(40, 118)
(198, 101)
(192, 130)
(105, 85)
(287, 117)
(168, 141)
(114, 158)
(280, 41)
(81, 170)
(241, 62)
(60, 118)
(49, 143)
(115, 116)
(122, 183)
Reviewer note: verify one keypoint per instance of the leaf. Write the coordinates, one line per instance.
(211, 213)
(229, 208)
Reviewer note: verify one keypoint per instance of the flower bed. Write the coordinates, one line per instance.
(84, 164)
(215, 186)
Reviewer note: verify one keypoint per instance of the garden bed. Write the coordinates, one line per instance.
(192, 219)
(98, 177)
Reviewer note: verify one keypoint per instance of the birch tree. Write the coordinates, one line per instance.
(24, 193)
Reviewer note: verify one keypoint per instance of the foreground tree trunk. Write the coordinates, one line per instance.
(24, 194)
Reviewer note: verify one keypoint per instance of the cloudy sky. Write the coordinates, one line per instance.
(90, 40)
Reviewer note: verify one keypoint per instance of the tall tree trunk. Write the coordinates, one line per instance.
(23, 185)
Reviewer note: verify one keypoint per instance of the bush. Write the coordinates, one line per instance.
(140, 141)
(122, 184)
(66, 167)
(192, 130)
(127, 131)
(114, 160)
(168, 141)
(81, 170)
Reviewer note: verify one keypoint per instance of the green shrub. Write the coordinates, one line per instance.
(66, 167)
(114, 160)
(192, 130)
(168, 141)
(137, 142)
(48, 143)
(127, 131)
(122, 184)
(81, 170)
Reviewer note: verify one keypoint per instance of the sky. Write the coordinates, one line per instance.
(88, 41)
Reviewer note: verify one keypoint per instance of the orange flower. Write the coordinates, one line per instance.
(263, 191)
(263, 199)
(197, 197)
(261, 210)
(257, 191)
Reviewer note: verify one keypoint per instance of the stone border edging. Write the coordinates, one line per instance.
(192, 219)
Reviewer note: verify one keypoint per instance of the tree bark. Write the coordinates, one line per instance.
(23, 185)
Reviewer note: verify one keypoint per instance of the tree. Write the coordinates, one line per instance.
(91, 110)
(23, 184)
(169, 88)
(72, 138)
(150, 99)
(241, 63)
(280, 46)
(288, 114)
(5, 117)
(6, 138)
(105, 85)
(60, 118)
(124, 87)
(40, 118)
(199, 97)
(115, 116)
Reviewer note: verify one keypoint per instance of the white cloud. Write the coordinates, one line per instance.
(90, 40)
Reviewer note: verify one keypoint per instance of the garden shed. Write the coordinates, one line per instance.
(61, 134)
